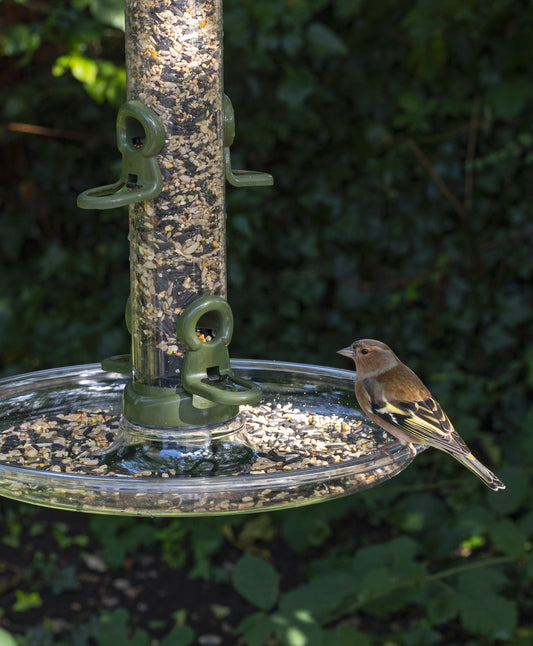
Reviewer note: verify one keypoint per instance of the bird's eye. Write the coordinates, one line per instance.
(365, 351)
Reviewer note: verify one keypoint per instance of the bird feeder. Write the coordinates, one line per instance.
(176, 427)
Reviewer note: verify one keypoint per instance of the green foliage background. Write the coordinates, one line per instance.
(399, 136)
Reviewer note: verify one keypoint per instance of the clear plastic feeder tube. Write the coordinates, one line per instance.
(177, 240)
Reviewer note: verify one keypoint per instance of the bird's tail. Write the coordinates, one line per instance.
(472, 463)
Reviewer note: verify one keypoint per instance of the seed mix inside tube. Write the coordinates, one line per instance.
(177, 240)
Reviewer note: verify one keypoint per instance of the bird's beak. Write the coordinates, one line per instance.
(346, 352)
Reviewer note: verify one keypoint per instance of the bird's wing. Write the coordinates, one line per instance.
(424, 421)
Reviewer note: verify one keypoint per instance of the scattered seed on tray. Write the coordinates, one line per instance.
(286, 441)
(283, 437)
(52, 443)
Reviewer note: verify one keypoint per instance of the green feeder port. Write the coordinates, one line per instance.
(140, 137)
(193, 428)
(211, 393)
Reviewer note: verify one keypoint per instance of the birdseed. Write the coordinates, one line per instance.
(284, 439)
(177, 241)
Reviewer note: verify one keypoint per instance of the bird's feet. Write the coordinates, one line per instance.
(390, 450)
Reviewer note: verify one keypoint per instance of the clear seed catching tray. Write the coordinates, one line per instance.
(309, 443)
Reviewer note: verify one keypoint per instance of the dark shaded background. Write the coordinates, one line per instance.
(399, 137)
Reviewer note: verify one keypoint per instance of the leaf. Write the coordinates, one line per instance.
(83, 69)
(65, 579)
(304, 530)
(256, 629)
(344, 635)
(429, 57)
(101, 79)
(387, 575)
(113, 629)
(529, 566)
(140, 638)
(421, 635)
(26, 601)
(323, 597)
(509, 537)
(120, 537)
(256, 580)
(178, 636)
(6, 639)
(110, 12)
(297, 85)
(518, 489)
(442, 606)
(39, 636)
(526, 524)
(481, 580)
(19, 39)
(481, 609)
(298, 629)
(259, 528)
(172, 537)
(206, 538)
(347, 8)
(488, 615)
(417, 512)
(508, 98)
(325, 42)
(474, 520)
(398, 554)
(376, 583)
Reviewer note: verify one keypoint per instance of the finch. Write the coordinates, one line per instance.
(394, 397)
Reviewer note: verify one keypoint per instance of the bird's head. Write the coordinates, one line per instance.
(370, 356)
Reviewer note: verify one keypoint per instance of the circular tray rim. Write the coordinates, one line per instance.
(396, 456)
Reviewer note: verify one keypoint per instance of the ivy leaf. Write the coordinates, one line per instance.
(256, 580)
